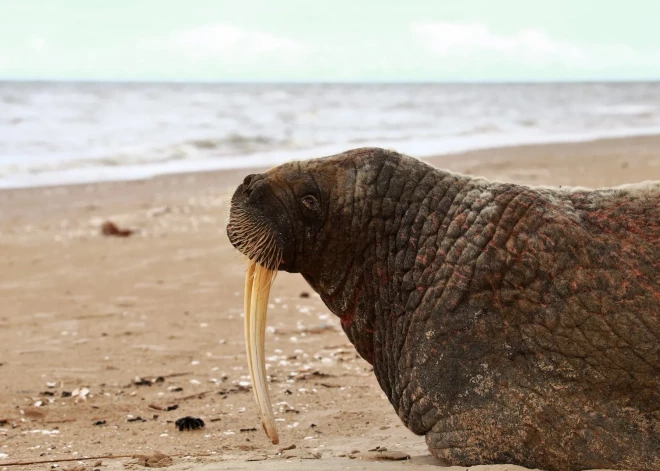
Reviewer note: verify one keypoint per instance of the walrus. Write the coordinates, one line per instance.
(505, 323)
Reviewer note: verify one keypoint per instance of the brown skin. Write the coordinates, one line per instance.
(506, 324)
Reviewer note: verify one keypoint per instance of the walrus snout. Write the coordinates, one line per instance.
(258, 223)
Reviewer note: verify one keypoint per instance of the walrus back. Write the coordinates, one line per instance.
(599, 253)
(630, 213)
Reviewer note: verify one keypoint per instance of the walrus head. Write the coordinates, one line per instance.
(275, 215)
(294, 218)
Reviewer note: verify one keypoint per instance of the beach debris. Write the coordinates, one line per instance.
(287, 448)
(258, 457)
(248, 429)
(166, 409)
(109, 228)
(66, 394)
(379, 448)
(189, 423)
(239, 388)
(156, 460)
(135, 419)
(100, 422)
(304, 374)
(80, 394)
(304, 294)
(139, 381)
(327, 385)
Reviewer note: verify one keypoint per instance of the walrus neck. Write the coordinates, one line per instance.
(403, 205)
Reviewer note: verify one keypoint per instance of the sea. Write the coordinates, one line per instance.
(66, 132)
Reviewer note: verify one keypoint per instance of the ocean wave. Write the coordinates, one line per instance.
(65, 133)
(120, 169)
(190, 150)
(644, 111)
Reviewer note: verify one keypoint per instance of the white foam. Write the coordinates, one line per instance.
(417, 148)
(53, 134)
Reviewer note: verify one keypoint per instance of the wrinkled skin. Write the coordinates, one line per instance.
(506, 324)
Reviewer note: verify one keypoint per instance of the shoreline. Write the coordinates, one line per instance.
(591, 164)
(458, 162)
(421, 149)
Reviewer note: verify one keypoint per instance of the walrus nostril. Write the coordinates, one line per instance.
(248, 179)
(247, 183)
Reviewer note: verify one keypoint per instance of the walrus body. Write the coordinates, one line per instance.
(505, 323)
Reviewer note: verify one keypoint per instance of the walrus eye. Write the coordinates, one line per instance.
(310, 202)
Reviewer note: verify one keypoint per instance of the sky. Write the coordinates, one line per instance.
(333, 40)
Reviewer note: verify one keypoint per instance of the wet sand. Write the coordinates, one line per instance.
(138, 324)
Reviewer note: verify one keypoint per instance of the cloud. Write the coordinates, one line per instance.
(475, 43)
(38, 44)
(475, 39)
(420, 50)
(224, 41)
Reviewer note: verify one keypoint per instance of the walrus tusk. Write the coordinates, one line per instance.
(258, 280)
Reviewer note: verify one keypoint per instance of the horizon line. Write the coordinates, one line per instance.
(512, 81)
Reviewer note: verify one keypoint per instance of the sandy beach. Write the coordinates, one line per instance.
(100, 335)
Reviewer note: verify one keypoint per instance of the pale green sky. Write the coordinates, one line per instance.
(345, 40)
